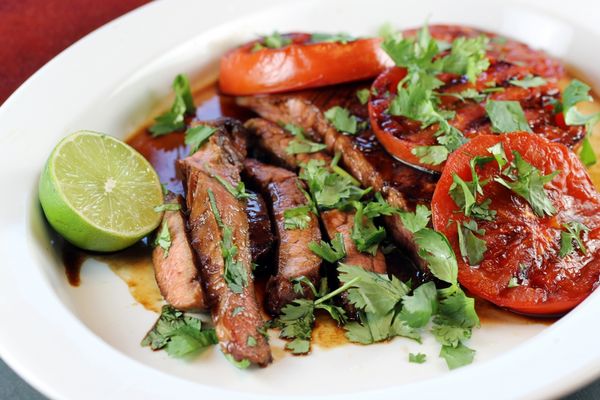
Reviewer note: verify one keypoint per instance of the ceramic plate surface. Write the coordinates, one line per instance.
(83, 342)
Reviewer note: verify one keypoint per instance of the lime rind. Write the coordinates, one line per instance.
(99, 193)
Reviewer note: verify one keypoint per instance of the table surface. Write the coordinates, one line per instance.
(34, 31)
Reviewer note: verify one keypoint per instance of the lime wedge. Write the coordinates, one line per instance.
(99, 193)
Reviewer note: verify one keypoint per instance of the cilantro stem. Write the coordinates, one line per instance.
(337, 291)
(340, 171)
(213, 206)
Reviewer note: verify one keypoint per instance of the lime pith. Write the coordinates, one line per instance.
(99, 193)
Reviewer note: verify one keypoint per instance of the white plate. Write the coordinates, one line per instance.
(75, 343)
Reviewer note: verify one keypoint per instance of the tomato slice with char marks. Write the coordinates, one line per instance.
(510, 61)
(522, 268)
(299, 64)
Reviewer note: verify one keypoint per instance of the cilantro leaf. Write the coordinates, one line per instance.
(297, 218)
(418, 308)
(457, 356)
(167, 207)
(587, 155)
(573, 232)
(529, 81)
(497, 151)
(372, 292)
(173, 120)
(472, 248)
(418, 358)
(379, 207)
(275, 41)
(527, 182)
(329, 187)
(507, 116)
(363, 96)
(239, 191)
(365, 234)
(462, 194)
(575, 92)
(330, 252)
(467, 57)
(416, 221)
(242, 364)
(342, 120)
(180, 335)
(433, 155)
(341, 37)
(163, 238)
(195, 137)
(436, 250)
(300, 144)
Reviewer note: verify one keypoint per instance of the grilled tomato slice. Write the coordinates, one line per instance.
(524, 220)
(299, 60)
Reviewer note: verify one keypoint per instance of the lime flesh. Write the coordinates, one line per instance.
(99, 193)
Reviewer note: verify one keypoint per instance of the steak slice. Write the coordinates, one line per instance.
(294, 258)
(175, 270)
(362, 155)
(235, 312)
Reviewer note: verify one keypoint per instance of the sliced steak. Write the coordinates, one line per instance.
(175, 270)
(401, 185)
(294, 258)
(235, 312)
(274, 141)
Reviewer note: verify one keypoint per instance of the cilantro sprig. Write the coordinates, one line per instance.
(574, 230)
(301, 144)
(196, 136)
(180, 335)
(174, 119)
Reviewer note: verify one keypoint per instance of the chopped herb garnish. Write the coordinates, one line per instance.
(234, 274)
(330, 252)
(167, 207)
(365, 234)
(243, 364)
(574, 93)
(342, 120)
(163, 238)
(251, 341)
(529, 81)
(573, 232)
(363, 96)
(239, 191)
(196, 136)
(467, 57)
(179, 334)
(527, 181)
(297, 318)
(513, 282)
(471, 247)
(300, 144)
(297, 218)
(275, 41)
(342, 38)
(174, 119)
(418, 358)
(507, 116)
(457, 356)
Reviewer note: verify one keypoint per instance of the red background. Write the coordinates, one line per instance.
(32, 32)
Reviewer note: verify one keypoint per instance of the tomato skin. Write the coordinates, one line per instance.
(553, 284)
(299, 65)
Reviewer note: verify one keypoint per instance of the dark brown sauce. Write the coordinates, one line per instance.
(73, 259)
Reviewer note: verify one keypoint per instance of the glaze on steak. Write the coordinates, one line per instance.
(294, 258)
(236, 316)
